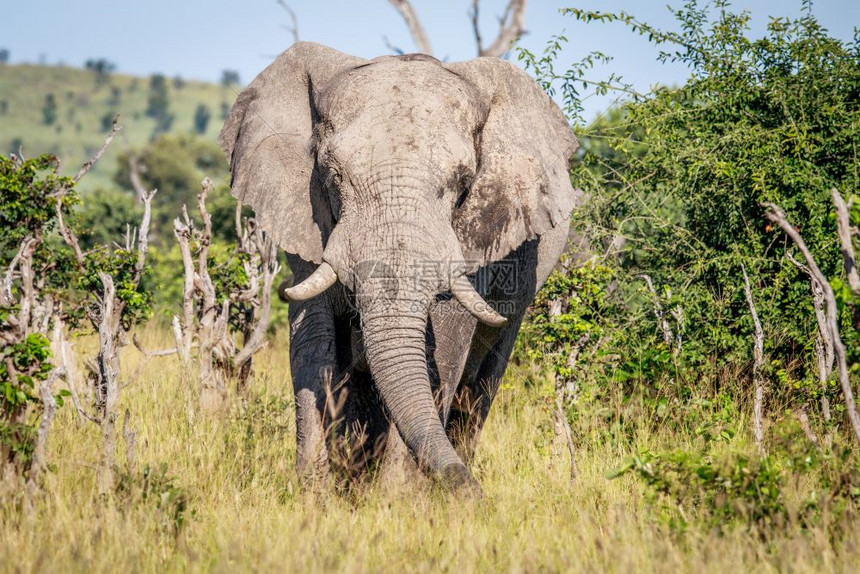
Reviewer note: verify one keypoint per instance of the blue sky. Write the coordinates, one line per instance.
(198, 38)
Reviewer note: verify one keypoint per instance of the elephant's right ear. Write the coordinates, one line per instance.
(267, 139)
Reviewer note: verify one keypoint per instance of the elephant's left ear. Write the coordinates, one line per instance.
(522, 186)
(268, 139)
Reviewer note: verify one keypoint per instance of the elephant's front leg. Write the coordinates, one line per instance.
(485, 367)
(313, 362)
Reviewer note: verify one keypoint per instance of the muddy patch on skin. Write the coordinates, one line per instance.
(459, 182)
(486, 215)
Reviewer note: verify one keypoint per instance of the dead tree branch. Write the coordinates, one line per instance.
(134, 171)
(824, 355)
(147, 353)
(843, 227)
(49, 409)
(183, 230)
(565, 394)
(476, 27)
(672, 340)
(256, 243)
(422, 42)
(105, 313)
(67, 235)
(803, 421)
(130, 437)
(249, 305)
(777, 216)
(294, 29)
(88, 165)
(511, 28)
(758, 361)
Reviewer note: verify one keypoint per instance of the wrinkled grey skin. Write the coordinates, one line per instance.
(402, 173)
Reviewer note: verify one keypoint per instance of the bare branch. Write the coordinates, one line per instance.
(206, 234)
(79, 407)
(68, 235)
(415, 27)
(134, 171)
(143, 235)
(271, 268)
(824, 341)
(92, 161)
(668, 336)
(25, 251)
(803, 420)
(843, 226)
(108, 372)
(49, 409)
(147, 353)
(130, 437)
(391, 47)
(476, 28)
(776, 215)
(182, 329)
(512, 28)
(294, 29)
(758, 361)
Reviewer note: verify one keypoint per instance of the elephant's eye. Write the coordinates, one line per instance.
(461, 198)
(334, 202)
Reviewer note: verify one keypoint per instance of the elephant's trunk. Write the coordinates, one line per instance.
(394, 334)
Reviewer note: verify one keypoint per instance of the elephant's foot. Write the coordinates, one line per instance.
(458, 479)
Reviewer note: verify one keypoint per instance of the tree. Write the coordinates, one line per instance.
(4, 56)
(229, 78)
(102, 68)
(49, 109)
(511, 27)
(680, 176)
(173, 164)
(115, 96)
(49, 280)
(201, 118)
(158, 104)
(233, 294)
(32, 273)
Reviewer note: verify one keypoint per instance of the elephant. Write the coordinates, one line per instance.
(421, 205)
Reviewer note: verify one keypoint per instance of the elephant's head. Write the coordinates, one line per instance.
(398, 176)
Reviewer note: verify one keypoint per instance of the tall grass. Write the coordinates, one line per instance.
(220, 494)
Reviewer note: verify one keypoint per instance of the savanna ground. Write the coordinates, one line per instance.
(219, 493)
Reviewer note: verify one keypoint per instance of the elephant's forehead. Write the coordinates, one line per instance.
(419, 91)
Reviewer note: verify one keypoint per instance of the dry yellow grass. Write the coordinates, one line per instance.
(245, 512)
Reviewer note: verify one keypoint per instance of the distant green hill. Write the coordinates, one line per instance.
(83, 109)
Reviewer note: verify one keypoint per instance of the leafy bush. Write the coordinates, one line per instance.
(154, 487)
(48, 286)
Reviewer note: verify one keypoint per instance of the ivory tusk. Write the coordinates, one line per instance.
(320, 280)
(475, 304)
